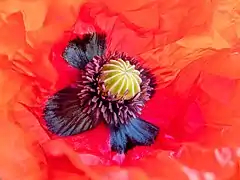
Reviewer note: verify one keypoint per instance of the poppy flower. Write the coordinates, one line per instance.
(113, 84)
(190, 48)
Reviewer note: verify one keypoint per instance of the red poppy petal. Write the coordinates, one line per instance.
(126, 33)
(20, 157)
(94, 142)
(224, 63)
(11, 42)
(62, 160)
(66, 73)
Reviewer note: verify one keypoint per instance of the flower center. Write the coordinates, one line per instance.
(120, 79)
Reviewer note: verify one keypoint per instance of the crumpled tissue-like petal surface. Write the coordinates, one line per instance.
(20, 158)
(193, 47)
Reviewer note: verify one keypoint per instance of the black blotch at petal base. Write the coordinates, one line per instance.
(64, 116)
(80, 51)
(136, 132)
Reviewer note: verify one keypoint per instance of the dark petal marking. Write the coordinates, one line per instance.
(80, 51)
(64, 115)
(135, 132)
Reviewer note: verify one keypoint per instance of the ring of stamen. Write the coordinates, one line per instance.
(114, 105)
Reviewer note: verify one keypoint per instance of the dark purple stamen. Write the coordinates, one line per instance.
(112, 111)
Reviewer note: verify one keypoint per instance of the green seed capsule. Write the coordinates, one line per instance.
(121, 79)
